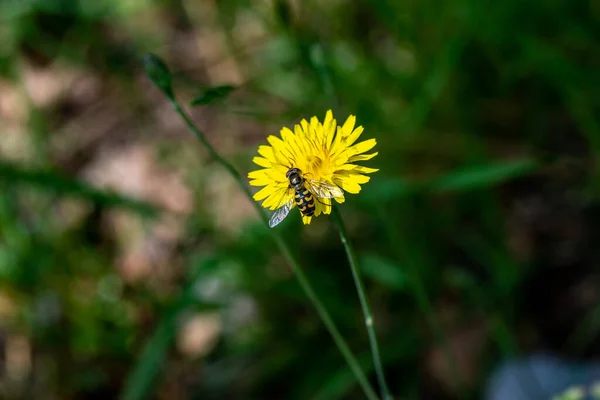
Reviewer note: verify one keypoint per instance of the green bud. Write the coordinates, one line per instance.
(159, 74)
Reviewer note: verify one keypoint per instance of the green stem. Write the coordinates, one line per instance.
(369, 323)
(285, 250)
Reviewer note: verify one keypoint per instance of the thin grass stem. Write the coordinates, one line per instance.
(285, 250)
(369, 322)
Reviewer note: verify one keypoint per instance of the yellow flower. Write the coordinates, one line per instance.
(324, 154)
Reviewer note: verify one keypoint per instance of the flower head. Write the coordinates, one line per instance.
(324, 155)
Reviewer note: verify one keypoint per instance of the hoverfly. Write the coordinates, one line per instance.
(305, 190)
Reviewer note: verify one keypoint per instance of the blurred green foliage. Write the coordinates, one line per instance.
(477, 237)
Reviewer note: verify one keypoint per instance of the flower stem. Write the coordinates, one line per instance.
(287, 253)
(369, 323)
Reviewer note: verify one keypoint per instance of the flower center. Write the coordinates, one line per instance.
(314, 165)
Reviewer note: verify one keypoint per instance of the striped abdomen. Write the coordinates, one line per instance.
(305, 201)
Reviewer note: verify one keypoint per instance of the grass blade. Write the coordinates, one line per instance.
(60, 184)
(141, 380)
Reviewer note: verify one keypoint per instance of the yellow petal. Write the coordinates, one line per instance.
(348, 126)
(263, 162)
(362, 157)
(340, 159)
(270, 202)
(361, 179)
(266, 152)
(286, 199)
(345, 167)
(277, 200)
(304, 128)
(258, 174)
(281, 169)
(328, 117)
(362, 147)
(318, 208)
(306, 219)
(329, 133)
(348, 185)
(340, 199)
(320, 138)
(286, 133)
(273, 199)
(264, 192)
(278, 144)
(314, 123)
(322, 206)
(348, 169)
(328, 129)
(260, 182)
(282, 158)
(276, 176)
(301, 139)
(292, 142)
(337, 140)
(354, 136)
(365, 170)
(327, 206)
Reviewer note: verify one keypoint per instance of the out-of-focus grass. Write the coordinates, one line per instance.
(58, 184)
(481, 218)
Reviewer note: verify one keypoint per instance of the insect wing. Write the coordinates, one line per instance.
(324, 190)
(280, 214)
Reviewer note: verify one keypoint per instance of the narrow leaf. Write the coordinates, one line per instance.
(141, 380)
(57, 183)
(212, 95)
(482, 176)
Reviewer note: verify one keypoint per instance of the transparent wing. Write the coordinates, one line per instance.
(324, 190)
(280, 214)
(281, 193)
